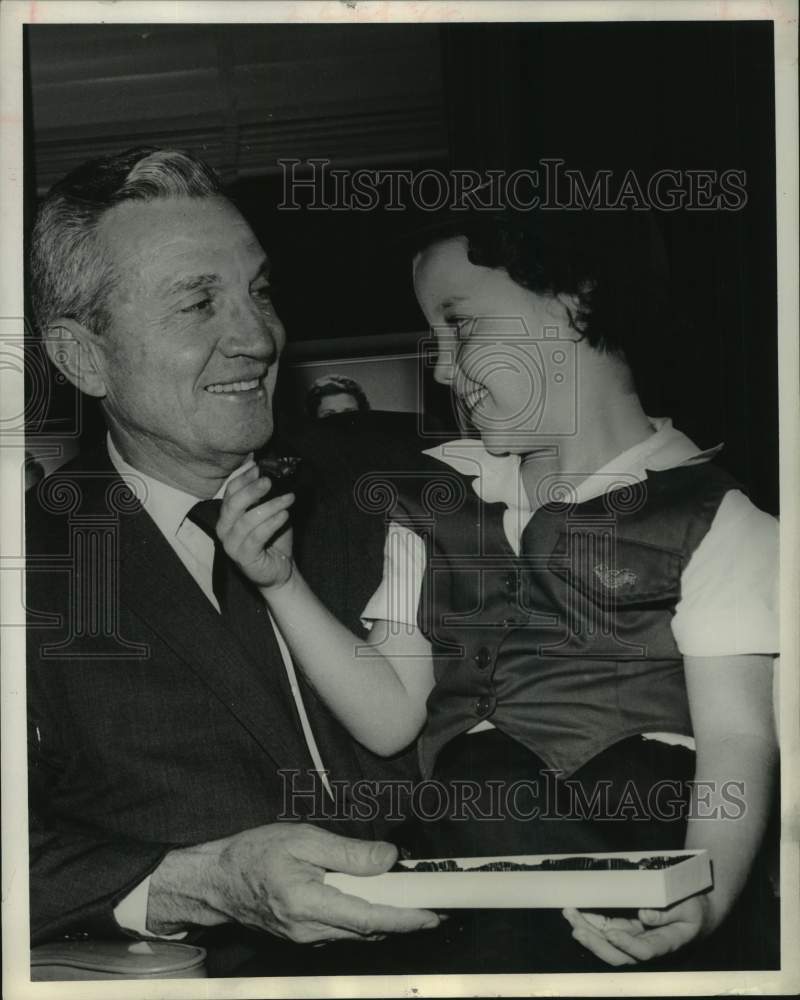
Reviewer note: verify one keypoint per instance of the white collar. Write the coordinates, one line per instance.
(497, 477)
(166, 505)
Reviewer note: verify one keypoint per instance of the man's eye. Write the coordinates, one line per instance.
(201, 305)
(263, 292)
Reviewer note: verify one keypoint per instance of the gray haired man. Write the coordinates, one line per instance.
(158, 743)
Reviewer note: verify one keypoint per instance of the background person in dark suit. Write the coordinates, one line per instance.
(163, 719)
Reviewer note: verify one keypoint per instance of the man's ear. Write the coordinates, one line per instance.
(73, 350)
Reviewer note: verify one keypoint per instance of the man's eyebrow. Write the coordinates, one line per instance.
(191, 283)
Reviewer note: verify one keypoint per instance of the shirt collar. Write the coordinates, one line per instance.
(166, 505)
(497, 477)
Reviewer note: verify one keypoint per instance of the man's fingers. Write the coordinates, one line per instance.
(342, 854)
(365, 919)
(315, 903)
(319, 934)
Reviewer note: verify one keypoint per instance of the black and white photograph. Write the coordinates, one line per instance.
(400, 499)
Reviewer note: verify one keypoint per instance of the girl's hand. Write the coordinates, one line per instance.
(258, 539)
(621, 941)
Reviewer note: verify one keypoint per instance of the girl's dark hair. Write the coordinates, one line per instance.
(612, 264)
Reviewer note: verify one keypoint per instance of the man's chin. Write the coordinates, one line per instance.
(242, 445)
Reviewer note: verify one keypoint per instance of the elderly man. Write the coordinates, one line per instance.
(165, 712)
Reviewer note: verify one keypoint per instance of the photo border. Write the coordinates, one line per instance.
(13, 15)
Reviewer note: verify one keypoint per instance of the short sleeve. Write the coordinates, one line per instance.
(729, 589)
(397, 597)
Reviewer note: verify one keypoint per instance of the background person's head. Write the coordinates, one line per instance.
(153, 295)
(332, 394)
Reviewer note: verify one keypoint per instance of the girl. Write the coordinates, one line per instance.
(589, 618)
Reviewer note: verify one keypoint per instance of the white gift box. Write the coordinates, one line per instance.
(688, 872)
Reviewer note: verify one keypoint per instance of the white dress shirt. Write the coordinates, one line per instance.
(169, 509)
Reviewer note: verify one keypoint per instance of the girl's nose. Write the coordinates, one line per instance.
(444, 369)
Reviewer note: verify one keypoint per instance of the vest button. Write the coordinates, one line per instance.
(511, 584)
(483, 706)
(483, 658)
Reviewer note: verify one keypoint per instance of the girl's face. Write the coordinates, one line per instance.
(508, 354)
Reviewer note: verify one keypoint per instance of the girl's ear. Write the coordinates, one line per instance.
(574, 311)
(72, 349)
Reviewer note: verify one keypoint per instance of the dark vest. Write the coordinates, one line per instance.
(567, 647)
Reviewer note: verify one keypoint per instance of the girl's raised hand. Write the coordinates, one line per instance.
(256, 534)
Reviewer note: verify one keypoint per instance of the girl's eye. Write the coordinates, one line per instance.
(461, 325)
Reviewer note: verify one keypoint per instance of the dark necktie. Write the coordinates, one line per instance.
(242, 608)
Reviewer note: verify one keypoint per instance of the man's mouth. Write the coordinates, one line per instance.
(233, 388)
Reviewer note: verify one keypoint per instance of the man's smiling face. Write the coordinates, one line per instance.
(189, 359)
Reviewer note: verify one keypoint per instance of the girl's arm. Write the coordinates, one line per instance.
(732, 716)
(376, 688)
(730, 698)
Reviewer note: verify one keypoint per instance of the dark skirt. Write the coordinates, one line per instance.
(491, 795)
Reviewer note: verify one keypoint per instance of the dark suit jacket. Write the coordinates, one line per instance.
(150, 727)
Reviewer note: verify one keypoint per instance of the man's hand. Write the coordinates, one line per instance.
(270, 878)
(255, 532)
(620, 941)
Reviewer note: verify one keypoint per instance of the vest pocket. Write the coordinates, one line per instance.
(612, 570)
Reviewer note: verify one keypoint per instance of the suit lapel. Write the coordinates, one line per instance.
(149, 570)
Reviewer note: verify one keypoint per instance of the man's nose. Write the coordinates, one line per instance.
(253, 333)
